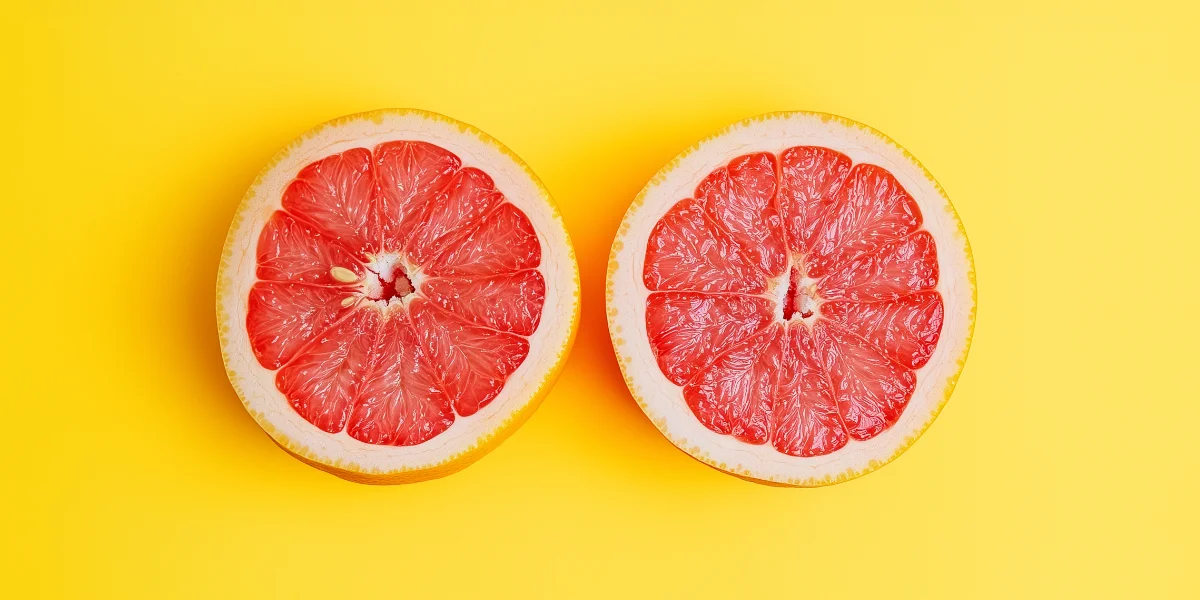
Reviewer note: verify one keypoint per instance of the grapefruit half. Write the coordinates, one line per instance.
(396, 295)
(791, 300)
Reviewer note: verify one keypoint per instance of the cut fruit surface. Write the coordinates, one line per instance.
(792, 299)
(396, 294)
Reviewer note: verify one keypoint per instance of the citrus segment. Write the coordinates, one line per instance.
(409, 173)
(290, 250)
(400, 401)
(740, 200)
(735, 394)
(457, 207)
(283, 317)
(472, 363)
(809, 177)
(322, 381)
(869, 209)
(688, 252)
(904, 330)
(503, 241)
(337, 195)
(870, 390)
(689, 330)
(894, 270)
(507, 302)
(807, 422)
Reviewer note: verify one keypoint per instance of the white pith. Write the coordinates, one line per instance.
(777, 290)
(663, 401)
(547, 345)
(384, 265)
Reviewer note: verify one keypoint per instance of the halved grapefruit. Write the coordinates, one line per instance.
(791, 300)
(396, 295)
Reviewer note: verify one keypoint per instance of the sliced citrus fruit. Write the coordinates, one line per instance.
(396, 294)
(792, 299)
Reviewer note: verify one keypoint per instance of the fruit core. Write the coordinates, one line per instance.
(801, 300)
(388, 279)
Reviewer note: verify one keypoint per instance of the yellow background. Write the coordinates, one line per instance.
(1066, 463)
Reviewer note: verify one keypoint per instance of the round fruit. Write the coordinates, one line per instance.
(396, 294)
(792, 299)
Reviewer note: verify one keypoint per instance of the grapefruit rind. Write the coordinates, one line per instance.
(662, 401)
(470, 437)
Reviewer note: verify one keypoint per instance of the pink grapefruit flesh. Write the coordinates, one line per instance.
(859, 314)
(358, 347)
